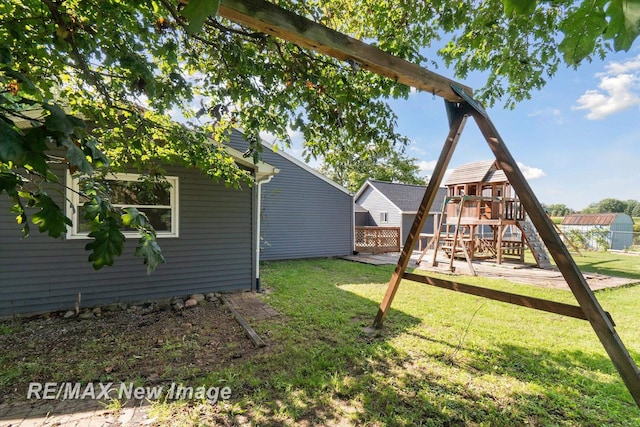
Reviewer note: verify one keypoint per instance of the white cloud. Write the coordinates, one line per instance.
(617, 91)
(530, 172)
(554, 113)
(426, 167)
(615, 68)
(414, 149)
(297, 138)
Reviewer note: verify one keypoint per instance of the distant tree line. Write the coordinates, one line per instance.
(630, 207)
(558, 209)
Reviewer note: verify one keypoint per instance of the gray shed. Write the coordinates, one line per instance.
(617, 228)
(303, 213)
(391, 204)
(208, 234)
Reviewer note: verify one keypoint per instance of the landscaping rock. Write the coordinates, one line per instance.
(110, 308)
(134, 309)
(371, 331)
(86, 315)
(69, 314)
(177, 304)
(163, 304)
(191, 302)
(149, 307)
(197, 297)
(211, 296)
(154, 379)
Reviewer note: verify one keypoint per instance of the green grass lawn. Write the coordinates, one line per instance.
(602, 262)
(442, 358)
(610, 264)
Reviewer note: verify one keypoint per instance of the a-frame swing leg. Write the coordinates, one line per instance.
(599, 319)
(457, 114)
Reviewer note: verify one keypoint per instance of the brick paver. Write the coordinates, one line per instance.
(71, 413)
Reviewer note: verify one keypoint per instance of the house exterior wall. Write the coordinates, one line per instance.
(213, 253)
(376, 204)
(407, 222)
(363, 219)
(303, 215)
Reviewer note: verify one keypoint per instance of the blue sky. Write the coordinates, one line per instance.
(577, 140)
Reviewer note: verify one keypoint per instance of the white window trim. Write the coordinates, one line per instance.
(73, 202)
(384, 217)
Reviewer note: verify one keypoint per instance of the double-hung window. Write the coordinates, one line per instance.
(157, 200)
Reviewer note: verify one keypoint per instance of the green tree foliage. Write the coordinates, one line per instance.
(393, 166)
(633, 208)
(127, 68)
(610, 205)
(558, 209)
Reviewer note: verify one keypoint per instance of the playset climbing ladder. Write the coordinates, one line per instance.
(535, 244)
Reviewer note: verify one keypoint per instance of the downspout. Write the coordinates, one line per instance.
(258, 229)
(353, 225)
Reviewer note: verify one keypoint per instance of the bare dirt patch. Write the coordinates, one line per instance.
(141, 344)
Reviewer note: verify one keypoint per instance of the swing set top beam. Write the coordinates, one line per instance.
(273, 20)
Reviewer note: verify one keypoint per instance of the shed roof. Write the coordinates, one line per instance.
(483, 171)
(406, 197)
(591, 219)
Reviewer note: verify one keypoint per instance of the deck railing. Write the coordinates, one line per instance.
(377, 239)
(480, 207)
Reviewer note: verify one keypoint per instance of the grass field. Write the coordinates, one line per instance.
(441, 359)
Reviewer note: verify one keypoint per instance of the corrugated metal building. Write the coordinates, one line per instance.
(616, 227)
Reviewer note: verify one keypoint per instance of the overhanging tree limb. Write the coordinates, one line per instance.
(274, 20)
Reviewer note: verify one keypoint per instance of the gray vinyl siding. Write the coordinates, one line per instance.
(213, 253)
(363, 219)
(376, 203)
(407, 222)
(303, 215)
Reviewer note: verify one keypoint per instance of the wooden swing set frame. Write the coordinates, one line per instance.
(459, 103)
